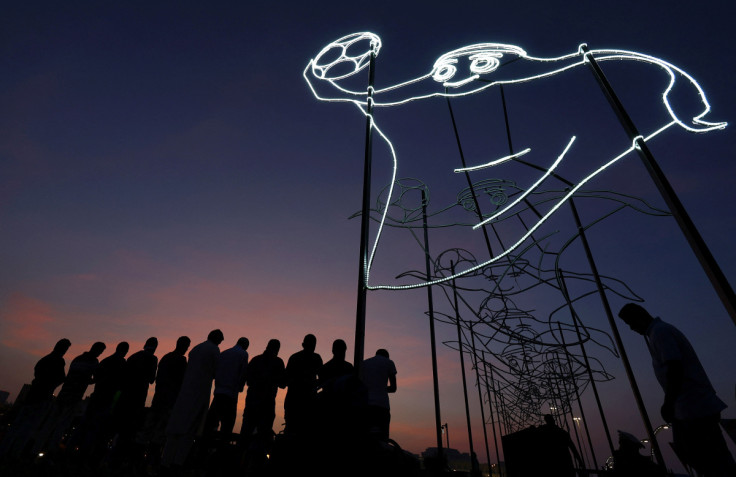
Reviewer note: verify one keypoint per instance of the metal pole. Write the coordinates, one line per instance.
(480, 394)
(500, 410)
(619, 342)
(577, 395)
(462, 362)
(575, 319)
(435, 379)
(490, 407)
(575, 390)
(365, 222)
(698, 245)
(467, 178)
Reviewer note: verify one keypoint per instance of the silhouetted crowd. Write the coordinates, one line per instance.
(336, 422)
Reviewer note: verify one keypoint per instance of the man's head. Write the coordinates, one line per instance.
(216, 336)
(549, 420)
(339, 348)
(309, 343)
(382, 352)
(62, 346)
(273, 347)
(182, 344)
(636, 317)
(243, 343)
(122, 348)
(97, 349)
(151, 344)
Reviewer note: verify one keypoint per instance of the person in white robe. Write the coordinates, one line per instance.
(191, 404)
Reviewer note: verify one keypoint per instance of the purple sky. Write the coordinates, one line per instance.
(165, 170)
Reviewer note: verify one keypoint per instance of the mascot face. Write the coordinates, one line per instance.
(465, 65)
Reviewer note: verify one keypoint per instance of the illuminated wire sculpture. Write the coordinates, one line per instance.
(533, 364)
(470, 70)
(532, 352)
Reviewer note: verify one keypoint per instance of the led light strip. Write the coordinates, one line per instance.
(529, 190)
(494, 163)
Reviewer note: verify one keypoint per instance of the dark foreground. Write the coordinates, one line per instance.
(286, 457)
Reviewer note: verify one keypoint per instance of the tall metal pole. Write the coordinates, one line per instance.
(577, 395)
(619, 342)
(365, 222)
(435, 379)
(706, 259)
(588, 368)
(490, 407)
(500, 410)
(467, 178)
(480, 394)
(462, 362)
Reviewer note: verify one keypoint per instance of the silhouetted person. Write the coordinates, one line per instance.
(229, 382)
(266, 373)
(48, 374)
(334, 399)
(81, 374)
(108, 379)
(627, 462)
(379, 377)
(139, 373)
(191, 404)
(301, 379)
(335, 368)
(556, 449)
(97, 427)
(169, 377)
(690, 402)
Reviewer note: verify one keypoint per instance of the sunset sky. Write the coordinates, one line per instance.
(165, 170)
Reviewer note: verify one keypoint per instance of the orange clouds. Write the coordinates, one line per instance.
(25, 324)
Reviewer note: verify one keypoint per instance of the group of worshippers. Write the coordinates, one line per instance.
(115, 425)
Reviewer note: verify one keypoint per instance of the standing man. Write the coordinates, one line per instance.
(81, 374)
(48, 374)
(194, 398)
(690, 402)
(229, 382)
(379, 377)
(301, 378)
(169, 377)
(139, 373)
(266, 373)
(335, 368)
(97, 426)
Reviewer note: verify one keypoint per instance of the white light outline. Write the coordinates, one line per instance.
(495, 50)
(493, 163)
(530, 189)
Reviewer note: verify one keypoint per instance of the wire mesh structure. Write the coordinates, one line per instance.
(516, 270)
(536, 356)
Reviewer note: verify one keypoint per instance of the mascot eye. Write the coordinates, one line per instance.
(483, 63)
(444, 71)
